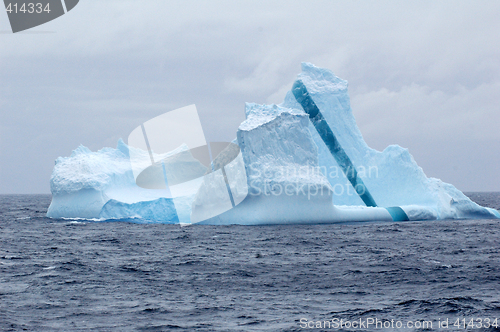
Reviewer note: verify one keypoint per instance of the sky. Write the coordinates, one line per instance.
(422, 74)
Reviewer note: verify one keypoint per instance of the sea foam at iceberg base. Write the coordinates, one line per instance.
(303, 161)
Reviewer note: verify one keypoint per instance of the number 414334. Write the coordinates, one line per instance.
(28, 8)
(476, 323)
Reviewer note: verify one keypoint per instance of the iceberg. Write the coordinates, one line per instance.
(101, 185)
(303, 161)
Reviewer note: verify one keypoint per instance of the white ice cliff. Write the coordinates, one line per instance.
(291, 173)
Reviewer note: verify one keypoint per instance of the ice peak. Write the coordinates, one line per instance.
(80, 150)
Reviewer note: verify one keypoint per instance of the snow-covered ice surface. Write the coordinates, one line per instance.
(101, 185)
(291, 176)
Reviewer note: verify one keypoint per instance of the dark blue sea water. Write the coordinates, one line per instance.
(69, 275)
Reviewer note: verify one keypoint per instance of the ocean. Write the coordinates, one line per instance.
(75, 275)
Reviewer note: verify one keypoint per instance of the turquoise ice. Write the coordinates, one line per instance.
(288, 172)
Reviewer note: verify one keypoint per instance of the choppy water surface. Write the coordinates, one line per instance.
(69, 275)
